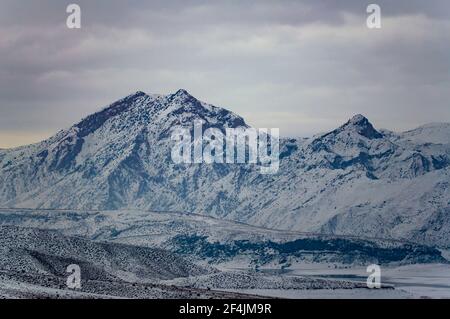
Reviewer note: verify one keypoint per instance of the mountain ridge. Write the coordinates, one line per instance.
(139, 93)
(349, 180)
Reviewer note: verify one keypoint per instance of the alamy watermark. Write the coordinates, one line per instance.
(232, 146)
(374, 279)
(74, 19)
(374, 19)
(74, 279)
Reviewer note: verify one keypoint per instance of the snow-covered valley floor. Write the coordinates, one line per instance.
(411, 281)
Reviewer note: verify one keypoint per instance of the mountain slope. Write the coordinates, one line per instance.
(353, 180)
(436, 133)
(205, 239)
(48, 252)
(33, 264)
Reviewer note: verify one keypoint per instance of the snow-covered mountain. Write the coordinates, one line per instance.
(354, 180)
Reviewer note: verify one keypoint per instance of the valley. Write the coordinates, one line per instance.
(135, 254)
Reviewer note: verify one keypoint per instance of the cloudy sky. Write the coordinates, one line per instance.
(303, 66)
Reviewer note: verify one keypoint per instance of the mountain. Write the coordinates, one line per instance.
(113, 158)
(354, 180)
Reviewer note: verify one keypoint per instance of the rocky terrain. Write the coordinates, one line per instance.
(355, 180)
(214, 241)
(33, 264)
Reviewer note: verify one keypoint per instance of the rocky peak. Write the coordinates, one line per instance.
(361, 125)
(182, 97)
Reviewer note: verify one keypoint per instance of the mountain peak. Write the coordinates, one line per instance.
(139, 93)
(92, 122)
(183, 97)
(362, 126)
(182, 93)
(359, 118)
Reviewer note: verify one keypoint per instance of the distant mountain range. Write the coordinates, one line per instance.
(355, 180)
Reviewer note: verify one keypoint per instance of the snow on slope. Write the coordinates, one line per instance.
(252, 280)
(28, 250)
(354, 180)
(33, 264)
(436, 133)
(206, 239)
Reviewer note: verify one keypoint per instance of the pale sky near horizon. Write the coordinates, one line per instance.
(300, 65)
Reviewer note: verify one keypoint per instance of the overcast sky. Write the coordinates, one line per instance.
(302, 66)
